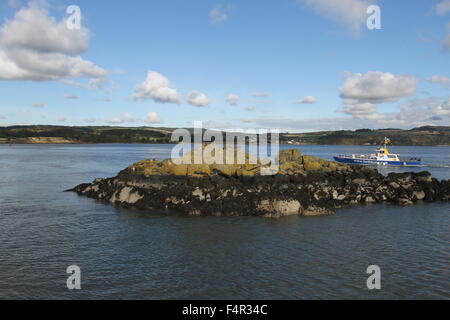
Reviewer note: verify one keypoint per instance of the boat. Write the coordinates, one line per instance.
(382, 157)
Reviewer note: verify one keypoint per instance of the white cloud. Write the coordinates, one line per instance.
(39, 105)
(443, 7)
(360, 110)
(114, 120)
(62, 119)
(2, 117)
(96, 83)
(442, 80)
(352, 14)
(260, 94)
(218, 14)
(152, 117)
(126, 117)
(377, 86)
(233, 99)
(250, 108)
(307, 100)
(34, 46)
(218, 125)
(443, 109)
(198, 99)
(157, 88)
(70, 97)
(361, 93)
(89, 120)
(414, 113)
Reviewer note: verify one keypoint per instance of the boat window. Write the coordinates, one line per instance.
(391, 156)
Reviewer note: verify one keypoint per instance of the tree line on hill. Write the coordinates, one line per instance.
(429, 135)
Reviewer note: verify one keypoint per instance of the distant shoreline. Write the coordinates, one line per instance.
(174, 143)
(423, 136)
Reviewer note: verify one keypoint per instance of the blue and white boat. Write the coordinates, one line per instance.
(383, 157)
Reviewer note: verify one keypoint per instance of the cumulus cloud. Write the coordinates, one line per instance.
(152, 117)
(441, 80)
(218, 14)
(352, 14)
(114, 120)
(361, 93)
(413, 113)
(198, 99)
(70, 97)
(157, 88)
(62, 119)
(250, 108)
(442, 109)
(377, 86)
(360, 110)
(126, 117)
(233, 99)
(307, 100)
(443, 7)
(37, 47)
(96, 83)
(218, 125)
(260, 94)
(39, 105)
(313, 124)
(89, 120)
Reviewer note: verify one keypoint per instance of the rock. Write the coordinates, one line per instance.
(128, 196)
(198, 170)
(248, 170)
(314, 211)
(405, 202)
(312, 166)
(293, 155)
(419, 195)
(424, 177)
(394, 185)
(333, 166)
(304, 186)
(359, 181)
(369, 199)
(223, 169)
(179, 170)
(292, 168)
(279, 208)
(199, 193)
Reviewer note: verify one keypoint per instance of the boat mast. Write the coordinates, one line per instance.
(386, 142)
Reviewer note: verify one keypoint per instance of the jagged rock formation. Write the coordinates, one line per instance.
(305, 186)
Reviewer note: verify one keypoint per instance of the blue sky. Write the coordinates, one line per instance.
(318, 53)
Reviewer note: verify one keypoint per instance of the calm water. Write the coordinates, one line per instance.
(126, 254)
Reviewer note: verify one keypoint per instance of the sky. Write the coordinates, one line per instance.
(293, 65)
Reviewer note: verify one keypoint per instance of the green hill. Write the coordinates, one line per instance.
(430, 136)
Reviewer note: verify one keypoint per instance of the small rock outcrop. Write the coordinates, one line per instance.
(304, 186)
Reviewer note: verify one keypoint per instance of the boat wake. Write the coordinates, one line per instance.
(437, 166)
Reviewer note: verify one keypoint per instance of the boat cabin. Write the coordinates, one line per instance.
(384, 155)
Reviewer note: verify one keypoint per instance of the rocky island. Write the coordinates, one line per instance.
(303, 186)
